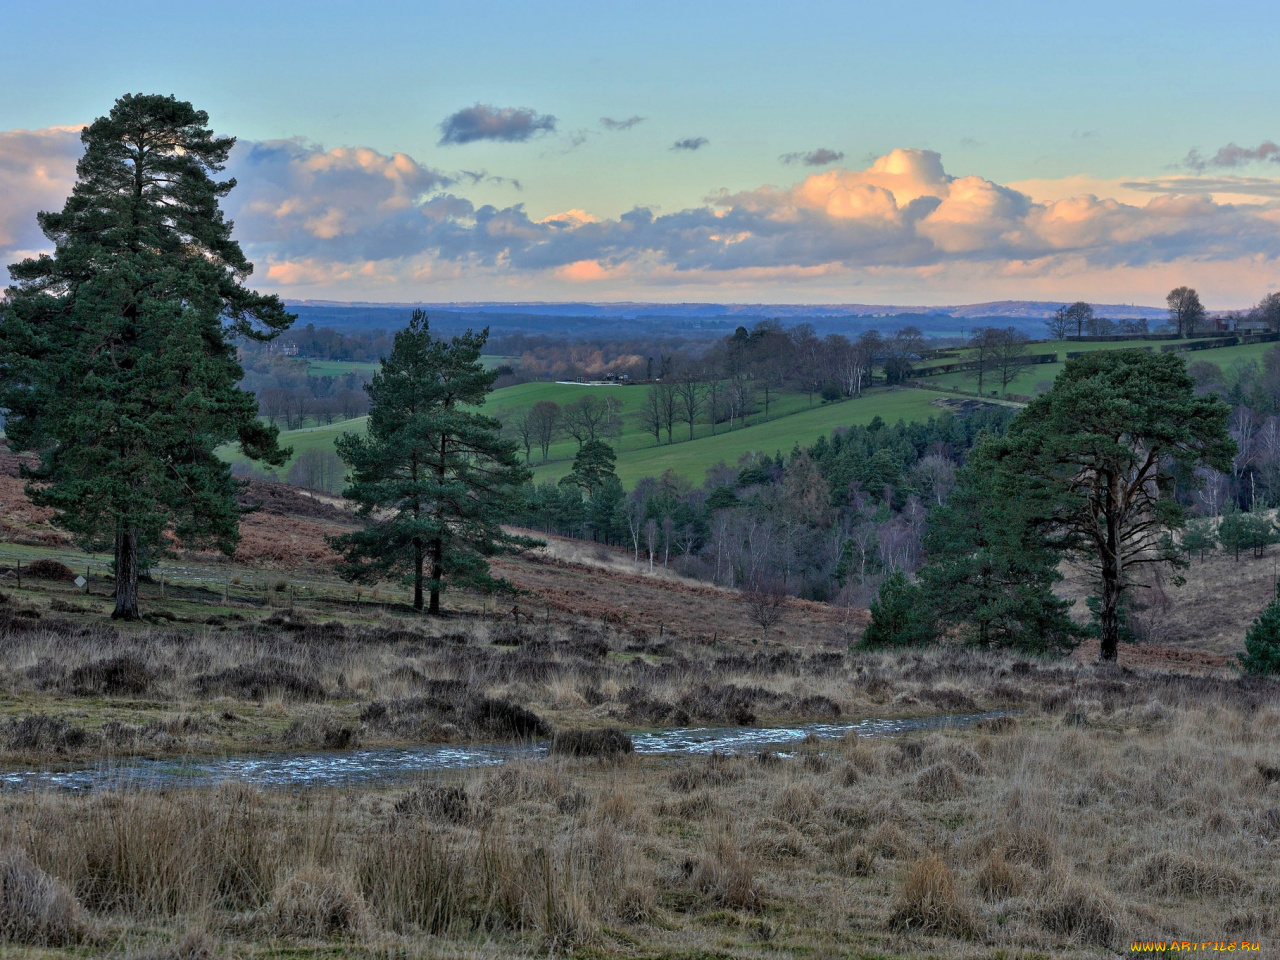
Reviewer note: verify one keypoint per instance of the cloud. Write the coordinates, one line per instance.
(483, 122)
(611, 124)
(484, 176)
(356, 223)
(345, 202)
(1233, 156)
(814, 158)
(37, 171)
(690, 143)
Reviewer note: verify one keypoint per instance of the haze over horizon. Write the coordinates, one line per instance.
(695, 153)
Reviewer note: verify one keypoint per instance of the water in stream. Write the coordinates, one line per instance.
(374, 768)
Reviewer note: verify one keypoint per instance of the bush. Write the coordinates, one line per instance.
(1261, 655)
(898, 615)
(124, 675)
(609, 742)
(35, 907)
(45, 569)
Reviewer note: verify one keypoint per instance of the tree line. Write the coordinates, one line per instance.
(1187, 317)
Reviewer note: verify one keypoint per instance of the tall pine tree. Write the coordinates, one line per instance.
(433, 478)
(117, 353)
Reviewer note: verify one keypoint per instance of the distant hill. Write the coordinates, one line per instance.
(628, 310)
(694, 320)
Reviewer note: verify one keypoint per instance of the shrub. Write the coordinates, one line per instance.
(898, 615)
(1262, 643)
(502, 718)
(255, 681)
(608, 742)
(46, 569)
(114, 676)
(448, 802)
(35, 907)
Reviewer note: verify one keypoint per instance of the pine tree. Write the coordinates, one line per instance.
(117, 353)
(592, 466)
(1262, 643)
(433, 478)
(1199, 537)
(899, 615)
(990, 572)
(1097, 459)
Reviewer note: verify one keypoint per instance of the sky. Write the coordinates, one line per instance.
(918, 153)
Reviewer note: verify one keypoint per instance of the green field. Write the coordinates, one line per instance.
(692, 459)
(1030, 378)
(791, 421)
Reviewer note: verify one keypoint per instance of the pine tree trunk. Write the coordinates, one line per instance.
(417, 573)
(1109, 614)
(126, 575)
(437, 574)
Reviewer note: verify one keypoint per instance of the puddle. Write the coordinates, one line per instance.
(375, 768)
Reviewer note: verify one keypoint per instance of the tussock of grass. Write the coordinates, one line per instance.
(931, 902)
(35, 908)
(315, 903)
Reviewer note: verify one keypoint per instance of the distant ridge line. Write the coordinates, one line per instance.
(1020, 309)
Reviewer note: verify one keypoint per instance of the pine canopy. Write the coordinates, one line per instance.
(117, 352)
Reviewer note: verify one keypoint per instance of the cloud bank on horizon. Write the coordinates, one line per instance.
(354, 223)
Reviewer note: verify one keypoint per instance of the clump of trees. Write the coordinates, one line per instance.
(997, 355)
(118, 352)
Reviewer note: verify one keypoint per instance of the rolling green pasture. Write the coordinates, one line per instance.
(1027, 381)
(791, 421)
(692, 459)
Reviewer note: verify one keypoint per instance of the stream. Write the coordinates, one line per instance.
(386, 766)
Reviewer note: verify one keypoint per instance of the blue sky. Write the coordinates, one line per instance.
(1048, 101)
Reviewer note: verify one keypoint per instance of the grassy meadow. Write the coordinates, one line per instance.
(1031, 380)
(792, 421)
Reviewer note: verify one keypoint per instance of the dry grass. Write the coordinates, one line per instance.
(1149, 821)
(35, 907)
(931, 902)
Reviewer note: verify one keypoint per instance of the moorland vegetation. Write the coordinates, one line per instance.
(1099, 803)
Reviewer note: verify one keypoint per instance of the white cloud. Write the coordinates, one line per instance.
(37, 171)
(353, 222)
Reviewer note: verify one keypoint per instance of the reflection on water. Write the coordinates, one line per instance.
(386, 766)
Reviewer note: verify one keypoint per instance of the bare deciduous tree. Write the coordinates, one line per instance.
(689, 399)
(544, 425)
(766, 602)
